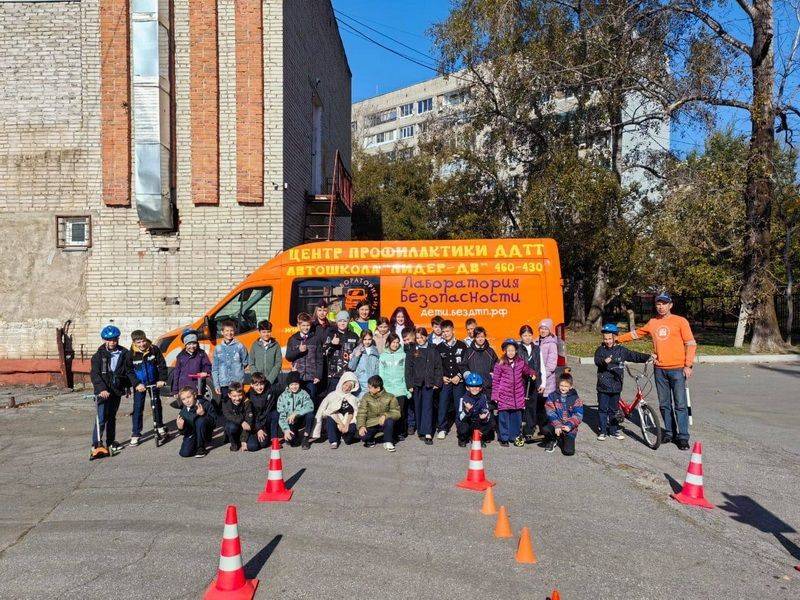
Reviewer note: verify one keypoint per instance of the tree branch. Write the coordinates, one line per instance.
(714, 25)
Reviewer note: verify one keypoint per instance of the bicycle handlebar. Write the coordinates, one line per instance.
(198, 376)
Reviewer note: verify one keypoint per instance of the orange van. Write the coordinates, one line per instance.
(502, 283)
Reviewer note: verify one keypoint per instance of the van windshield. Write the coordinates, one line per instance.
(245, 309)
(341, 293)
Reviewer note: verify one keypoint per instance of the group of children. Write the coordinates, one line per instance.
(357, 378)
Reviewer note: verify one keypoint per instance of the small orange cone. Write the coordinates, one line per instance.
(503, 527)
(231, 583)
(488, 507)
(476, 476)
(797, 567)
(525, 553)
(692, 491)
(555, 595)
(275, 488)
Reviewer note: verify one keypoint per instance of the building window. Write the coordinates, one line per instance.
(407, 110)
(382, 117)
(74, 233)
(383, 137)
(424, 106)
(406, 132)
(456, 98)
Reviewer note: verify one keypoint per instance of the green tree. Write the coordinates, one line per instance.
(392, 197)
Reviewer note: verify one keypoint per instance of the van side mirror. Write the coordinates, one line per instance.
(209, 330)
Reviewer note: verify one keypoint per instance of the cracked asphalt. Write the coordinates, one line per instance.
(368, 524)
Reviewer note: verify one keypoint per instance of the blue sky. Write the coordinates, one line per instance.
(376, 71)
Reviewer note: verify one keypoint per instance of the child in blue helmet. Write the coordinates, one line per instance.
(610, 357)
(110, 382)
(473, 412)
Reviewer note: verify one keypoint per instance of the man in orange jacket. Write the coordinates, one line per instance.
(675, 349)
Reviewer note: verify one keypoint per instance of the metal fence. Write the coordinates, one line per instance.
(707, 312)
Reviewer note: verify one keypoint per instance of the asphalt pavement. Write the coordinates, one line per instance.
(364, 523)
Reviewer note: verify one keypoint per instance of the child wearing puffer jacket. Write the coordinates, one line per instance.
(508, 391)
(364, 361)
(337, 413)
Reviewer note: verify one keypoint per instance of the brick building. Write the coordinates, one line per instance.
(153, 153)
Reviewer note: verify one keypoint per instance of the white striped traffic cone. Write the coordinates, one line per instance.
(476, 477)
(231, 583)
(275, 488)
(692, 491)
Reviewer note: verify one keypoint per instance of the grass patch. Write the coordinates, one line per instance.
(709, 341)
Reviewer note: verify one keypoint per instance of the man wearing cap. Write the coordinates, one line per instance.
(675, 349)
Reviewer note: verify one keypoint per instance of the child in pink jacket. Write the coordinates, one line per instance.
(508, 391)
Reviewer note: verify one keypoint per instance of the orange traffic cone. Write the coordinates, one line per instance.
(488, 507)
(525, 553)
(555, 595)
(231, 583)
(476, 477)
(275, 488)
(797, 567)
(503, 527)
(692, 491)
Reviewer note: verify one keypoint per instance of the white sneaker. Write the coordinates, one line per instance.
(334, 445)
(134, 441)
(602, 437)
(441, 435)
(389, 446)
(162, 431)
(619, 435)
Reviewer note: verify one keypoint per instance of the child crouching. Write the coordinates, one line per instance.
(564, 415)
(238, 416)
(194, 423)
(473, 412)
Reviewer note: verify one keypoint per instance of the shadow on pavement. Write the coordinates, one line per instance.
(746, 510)
(673, 483)
(784, 370)
(255, 564)
(294, 478)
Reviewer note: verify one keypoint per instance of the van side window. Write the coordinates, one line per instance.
(341, 293)
(246, 309)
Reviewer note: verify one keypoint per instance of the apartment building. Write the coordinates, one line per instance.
(393, 122)
(153, 153)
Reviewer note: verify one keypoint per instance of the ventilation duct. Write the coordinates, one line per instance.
(152, 127)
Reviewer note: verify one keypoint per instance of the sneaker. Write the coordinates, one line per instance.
(428, 440)
(114, 448)
(369, 444)
(666, 439)
(602, 437)
(389, 446)
(519, 441)
(162, 431)
(529, 439)
(134, 441)
(483, 444)
(618, 435)
(504, 443)
(234, 447)
(334, 445)
(462, 443)
(441, 435)
(411, 431)
(306, 445)
(201, 452)
(551, 445)
(683, 444)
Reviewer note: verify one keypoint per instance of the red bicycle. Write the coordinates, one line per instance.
(649, 419)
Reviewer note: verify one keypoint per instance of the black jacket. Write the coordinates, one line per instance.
(338, 355)
(237, 414)
(481, 360)
(454, 358)
(103, 378)
(533, 359)
(423, 367)
(610, 375)
(262, 404)
(309, 363)
(190, 414)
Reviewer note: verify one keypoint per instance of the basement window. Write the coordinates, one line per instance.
(74, 233)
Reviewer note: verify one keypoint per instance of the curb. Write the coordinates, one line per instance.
(712, 359)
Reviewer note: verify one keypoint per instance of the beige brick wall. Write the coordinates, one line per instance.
(50, 163)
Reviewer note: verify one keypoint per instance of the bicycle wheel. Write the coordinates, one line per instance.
(650, 423)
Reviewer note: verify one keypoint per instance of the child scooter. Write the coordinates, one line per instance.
(161, 438)
(100, 450)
